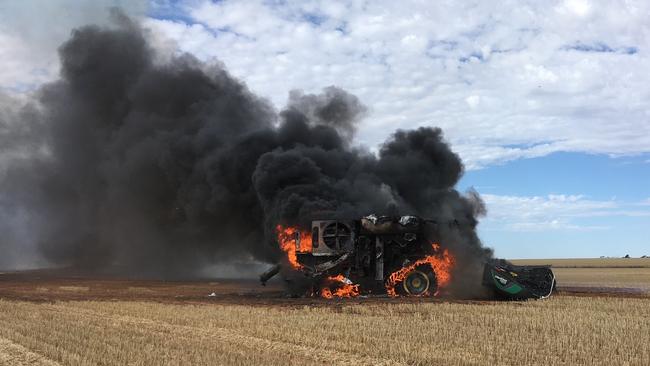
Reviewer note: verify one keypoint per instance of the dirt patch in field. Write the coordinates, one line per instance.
(54, 286)
(51, 286)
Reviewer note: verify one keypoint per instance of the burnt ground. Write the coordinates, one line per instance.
(56, 285)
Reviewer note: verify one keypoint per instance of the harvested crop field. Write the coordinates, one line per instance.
(57, 319)
(560, 330)
(632, 274)
(588, 262)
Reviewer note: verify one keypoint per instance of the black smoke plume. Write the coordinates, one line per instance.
(160, 168)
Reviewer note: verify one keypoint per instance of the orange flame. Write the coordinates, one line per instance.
(342, 287)
(441, 264)
(293, 241)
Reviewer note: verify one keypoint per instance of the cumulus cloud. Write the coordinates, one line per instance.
(555, 212)
(492, 81)
(540, 78)
(31, 31)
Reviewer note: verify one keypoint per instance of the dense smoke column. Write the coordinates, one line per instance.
(414, 174)
(420, 167)
(158, 168)
(139, 170)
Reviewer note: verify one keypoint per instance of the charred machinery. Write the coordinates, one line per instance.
(369, 251)
(519, 282)
(385, 255)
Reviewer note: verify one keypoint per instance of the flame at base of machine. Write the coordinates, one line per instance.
(338, 286)
(292, 241)
(441, 263)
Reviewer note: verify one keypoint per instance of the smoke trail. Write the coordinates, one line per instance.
(161, 168)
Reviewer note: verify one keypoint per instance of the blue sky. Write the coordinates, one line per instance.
(608, 217)
(546, 102)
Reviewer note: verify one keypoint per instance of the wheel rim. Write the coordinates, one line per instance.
(416, 283)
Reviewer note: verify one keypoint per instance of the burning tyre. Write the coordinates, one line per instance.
(416, 283)
(419, 283)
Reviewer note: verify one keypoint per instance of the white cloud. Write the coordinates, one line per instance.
(553, 225)
(473, 101)
(539, 74)
(554, 212)
(32, 30)
(580, 8)
(535, 79)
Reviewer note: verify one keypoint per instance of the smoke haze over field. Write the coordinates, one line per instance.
(163, 168)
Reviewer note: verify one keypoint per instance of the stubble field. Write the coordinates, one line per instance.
(75, 321)
(599, 273)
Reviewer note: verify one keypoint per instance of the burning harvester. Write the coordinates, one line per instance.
(387, 255)
(171, 161)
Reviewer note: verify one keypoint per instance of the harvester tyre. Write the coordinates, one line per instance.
(416, 283)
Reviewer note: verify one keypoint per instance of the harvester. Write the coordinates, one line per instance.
(387, 255)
